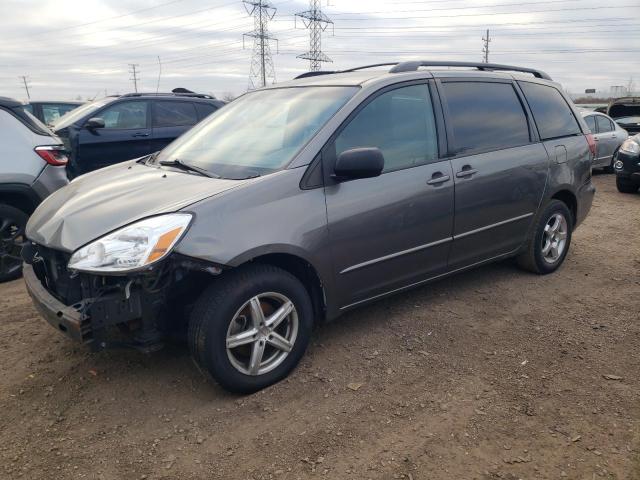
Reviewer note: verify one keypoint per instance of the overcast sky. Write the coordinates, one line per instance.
(70, 48)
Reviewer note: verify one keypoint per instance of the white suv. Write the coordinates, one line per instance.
(32, 166)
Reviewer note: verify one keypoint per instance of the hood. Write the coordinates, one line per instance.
(100, 202)
(624, 107)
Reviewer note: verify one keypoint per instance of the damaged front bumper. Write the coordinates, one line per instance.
(136, 310)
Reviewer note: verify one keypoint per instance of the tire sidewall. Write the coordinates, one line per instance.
(8, 210)
(555, 206)
(216, 327)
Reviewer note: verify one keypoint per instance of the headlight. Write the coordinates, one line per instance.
(629, 146)
(133, 247)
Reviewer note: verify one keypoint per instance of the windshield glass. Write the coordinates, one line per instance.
(635, 119)
(77, 113)
(258, 133)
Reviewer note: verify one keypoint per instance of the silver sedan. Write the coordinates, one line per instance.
(608, 136)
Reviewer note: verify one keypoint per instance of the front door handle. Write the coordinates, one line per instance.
(614, 136)
(438, 178)
(140, 134)
(466, 171)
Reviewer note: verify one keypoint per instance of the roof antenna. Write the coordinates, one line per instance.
(159, 73)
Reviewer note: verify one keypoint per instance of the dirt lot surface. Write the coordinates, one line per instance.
(494, 373)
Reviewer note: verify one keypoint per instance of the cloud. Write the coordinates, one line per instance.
(201, 46)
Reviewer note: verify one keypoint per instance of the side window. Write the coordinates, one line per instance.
(52, 112)
(125, 115)
(400, 123)
(604, 125)
(591, 123)
(205, 109)
(485, 116)
(174, 114)
(551, 111)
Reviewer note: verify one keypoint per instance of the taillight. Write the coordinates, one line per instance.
(53, 154)
(592, 144)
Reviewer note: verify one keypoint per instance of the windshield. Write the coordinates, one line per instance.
(635, 119)
(77, 113)
(258, 133)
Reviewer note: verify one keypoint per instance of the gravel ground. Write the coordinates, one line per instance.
(494, 373)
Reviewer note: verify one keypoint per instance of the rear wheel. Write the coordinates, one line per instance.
(550, 240)
(626, 186)
(12, 226)
(251, 327)
(609, 168)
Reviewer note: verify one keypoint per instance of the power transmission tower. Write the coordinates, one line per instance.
(485, 49)
(317, 22)
(135, 72)
(262, 69)
(25, 81)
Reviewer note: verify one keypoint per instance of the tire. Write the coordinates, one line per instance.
(609, 168)
(228, 308)
(626, 186)
(12, 225)
(534, 258)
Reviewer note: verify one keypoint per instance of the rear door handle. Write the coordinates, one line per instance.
(140, 134)
(438, 178)
(466, 172)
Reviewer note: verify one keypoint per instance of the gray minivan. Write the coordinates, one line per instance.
(298, 202)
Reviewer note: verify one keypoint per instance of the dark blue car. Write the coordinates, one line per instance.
(119, 128)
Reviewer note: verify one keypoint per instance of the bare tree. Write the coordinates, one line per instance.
(228, 97)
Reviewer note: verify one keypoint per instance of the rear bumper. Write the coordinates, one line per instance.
(585, 196)
(50, 179)
(63, 318)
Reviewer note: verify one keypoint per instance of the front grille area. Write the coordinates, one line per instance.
(50, 267)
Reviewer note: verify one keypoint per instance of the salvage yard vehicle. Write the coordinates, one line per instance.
(626, 111)
(608, 136)
(118, 128)
(49, 112)
(627, 166)
(299, 202)
(31, 167)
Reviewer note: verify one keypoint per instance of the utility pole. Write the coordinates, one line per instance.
(485, 49)
(135, 72)
(25, 81)
(317, 22)
(262, 70)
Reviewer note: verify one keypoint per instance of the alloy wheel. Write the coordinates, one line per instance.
(262, 333)
(11, 240)
(554, 238)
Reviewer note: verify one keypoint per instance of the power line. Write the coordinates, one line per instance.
(485, 49)
(135, 77)
(317, 22)
(25, 81)
(262, 68)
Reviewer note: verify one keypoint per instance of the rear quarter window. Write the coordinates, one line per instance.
(205, 109)
(551, 112)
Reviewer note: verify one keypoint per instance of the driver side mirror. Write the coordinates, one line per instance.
(93, 123)
(359, 163)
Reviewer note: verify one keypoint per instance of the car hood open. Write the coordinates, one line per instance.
(100, 202)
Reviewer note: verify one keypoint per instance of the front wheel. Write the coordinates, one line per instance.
(549, 243)
(12, 225)
(251, 327)
(626, 186)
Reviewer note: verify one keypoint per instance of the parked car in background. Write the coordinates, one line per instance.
(32, 166)
(306, 199)
(631, 124)
(608, 136)
(626, 111)
(119, 128)
(627, 166)
(50, 112)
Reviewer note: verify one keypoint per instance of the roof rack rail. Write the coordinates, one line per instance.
(169, 94)
(412, 66)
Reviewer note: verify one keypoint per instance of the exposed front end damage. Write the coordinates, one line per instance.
(137, 310)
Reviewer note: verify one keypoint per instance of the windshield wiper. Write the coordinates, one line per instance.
(188, 167)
